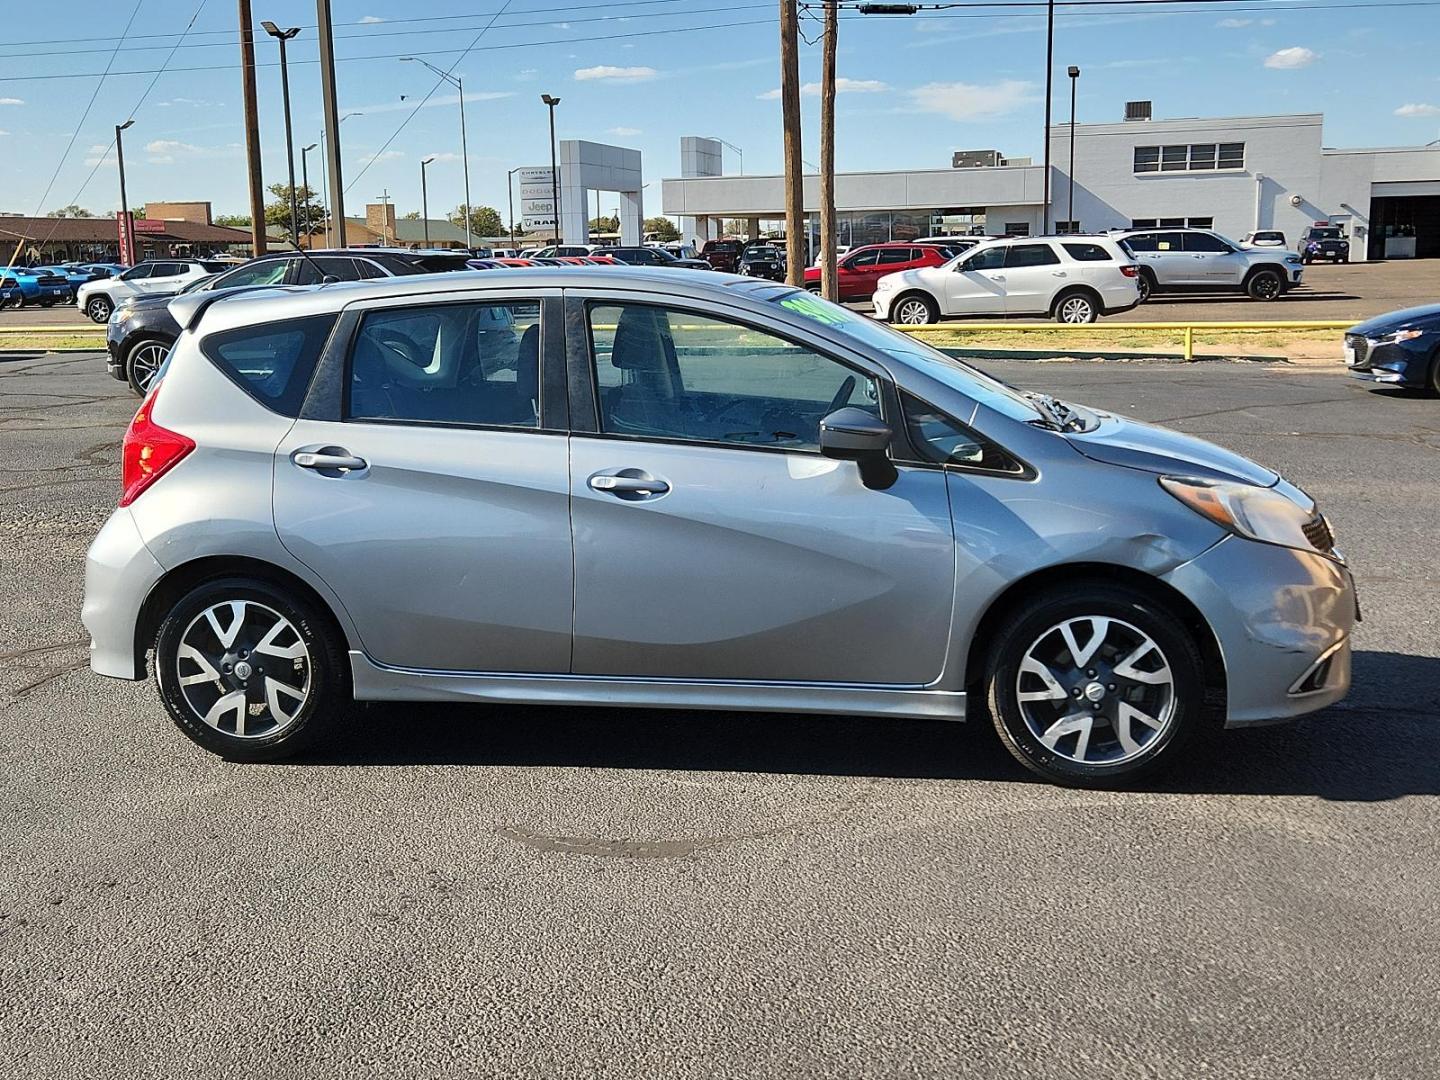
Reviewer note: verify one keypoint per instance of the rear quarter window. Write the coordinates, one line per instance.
(272, 362)
(1087, 252)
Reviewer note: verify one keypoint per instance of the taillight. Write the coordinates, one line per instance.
(1130, 270)
(149, 451)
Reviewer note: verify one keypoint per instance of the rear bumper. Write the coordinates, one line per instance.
(1282, 619)
(119, 574)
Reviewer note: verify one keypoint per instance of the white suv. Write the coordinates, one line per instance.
(1075, 279)
(99, 298)
(1198, 260)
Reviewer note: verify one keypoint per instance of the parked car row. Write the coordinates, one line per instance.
(45, 286)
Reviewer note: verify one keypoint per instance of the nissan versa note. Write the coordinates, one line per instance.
(685, 491)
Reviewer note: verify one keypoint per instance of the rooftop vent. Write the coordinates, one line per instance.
(1137, 110)
(976, 159)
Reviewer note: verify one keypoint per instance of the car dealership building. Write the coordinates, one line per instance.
(1232, 174)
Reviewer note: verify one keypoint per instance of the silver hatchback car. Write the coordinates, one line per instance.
(660, 489)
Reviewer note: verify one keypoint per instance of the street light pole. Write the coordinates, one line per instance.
(1049, 80)
(305, 183)
(1074, 73)
(425, 200)
(325, 176)
(510, 197)
(737, 150)
(552, 101)
(282, 36)
(127, 256)
(459, 84)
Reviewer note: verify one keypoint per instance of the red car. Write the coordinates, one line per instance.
(860, 269)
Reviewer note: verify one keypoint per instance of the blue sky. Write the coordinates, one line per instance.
(912, 89)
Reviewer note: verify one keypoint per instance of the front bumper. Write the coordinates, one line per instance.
(1282, 619)
(1406, 363)
(119, 574)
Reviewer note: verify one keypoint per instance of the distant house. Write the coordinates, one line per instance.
(380, 228)
(31, 240)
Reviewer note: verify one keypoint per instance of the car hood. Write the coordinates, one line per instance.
(1133, 444)
(1427, 315)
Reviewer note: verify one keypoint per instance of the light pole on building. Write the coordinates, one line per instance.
(737, 150)
(282, 36)
(127, 253)
(1074, 73)
(305, 183)
(425, 200)
(458, 83)
(551, 102)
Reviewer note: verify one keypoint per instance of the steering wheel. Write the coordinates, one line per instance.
(842, 396)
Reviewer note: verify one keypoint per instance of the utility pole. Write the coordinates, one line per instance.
(1049, 79)
(252, 130)
(829, 274)
(305, 184)
(425, 199)
(790, 116)
(324, 32)
(510, 198)
(384, 198)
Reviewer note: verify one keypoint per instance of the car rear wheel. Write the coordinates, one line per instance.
(1076, 307)
(1265, 285)
(1094, 685)
(98, 308)
(915, 309)
(249, 672)
(143, 364)
(1146, 285)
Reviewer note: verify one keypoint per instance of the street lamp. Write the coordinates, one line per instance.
(510, 196)
(325, 175)
(282, 36)
(305, 183)
(425, 199)
(737, 150)
(1074, 73)
(455, 81)
(551, 101)
(127, 255)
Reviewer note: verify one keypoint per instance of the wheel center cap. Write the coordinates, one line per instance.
(1093, 691)
(242, 671)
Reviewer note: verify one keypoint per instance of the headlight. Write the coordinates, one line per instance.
(121, 313)
(1292, 258)
(1397, 337)
(884, 285)
(1256, 513)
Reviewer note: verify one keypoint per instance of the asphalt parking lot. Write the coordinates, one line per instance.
(528, 892)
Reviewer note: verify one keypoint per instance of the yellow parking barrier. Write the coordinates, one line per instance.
(1185, 329)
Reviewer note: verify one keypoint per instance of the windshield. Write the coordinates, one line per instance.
(970, 381)
(761, 253)
(1324, 234)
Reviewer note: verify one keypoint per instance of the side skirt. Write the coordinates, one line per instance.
(376, 682)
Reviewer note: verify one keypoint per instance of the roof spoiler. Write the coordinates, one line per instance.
(190, 308)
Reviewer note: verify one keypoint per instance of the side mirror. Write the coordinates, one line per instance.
(852, 434)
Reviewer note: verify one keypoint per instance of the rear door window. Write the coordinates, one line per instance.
(1204, 242)
(895, 256)
(272, 362)
(1031, 255)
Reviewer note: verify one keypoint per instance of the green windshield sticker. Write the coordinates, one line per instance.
(812, 308)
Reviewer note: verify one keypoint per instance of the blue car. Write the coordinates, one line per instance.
(20, 286)
(99, 270)
(75, 276)
(1398, 349)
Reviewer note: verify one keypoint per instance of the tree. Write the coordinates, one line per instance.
(662, 227)
(605, 224)
(413, 215)
(278, 212)
(484, 220)
(235, 221)
(71, 211)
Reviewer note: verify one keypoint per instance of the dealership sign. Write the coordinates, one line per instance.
(537, 197)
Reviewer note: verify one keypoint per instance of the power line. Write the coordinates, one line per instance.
(430, 52)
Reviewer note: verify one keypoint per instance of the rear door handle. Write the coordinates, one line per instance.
(1058, 273)
(331, 457)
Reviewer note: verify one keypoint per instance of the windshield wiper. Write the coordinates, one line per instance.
(1062, 416)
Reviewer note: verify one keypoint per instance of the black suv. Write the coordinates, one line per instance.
(140, 333)
(649, 256)
(1323, 242)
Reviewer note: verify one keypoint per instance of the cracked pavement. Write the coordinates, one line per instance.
(539, 892)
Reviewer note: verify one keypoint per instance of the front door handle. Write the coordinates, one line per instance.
(628, 484)
(330, 457)
(1058, 273)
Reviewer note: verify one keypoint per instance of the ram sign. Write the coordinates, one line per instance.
(537, 197)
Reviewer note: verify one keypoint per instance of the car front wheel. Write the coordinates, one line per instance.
(915, 310)
(98, 308)
(1265, 285)
(249, 672)
(1094, 685)
(143, 364)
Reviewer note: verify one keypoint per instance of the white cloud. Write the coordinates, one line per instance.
(434, 102)
(98, 154)
(622, 131)
(527, 75)
(171, 146)
(11, 101)
(4, 133)
(1418, 110)
(1296, 56)
(442, 157)
(388, 155)
(1233, 24)
(168, 151)
(842, 86)
(964, 101)
(369, 20)
(615, 74)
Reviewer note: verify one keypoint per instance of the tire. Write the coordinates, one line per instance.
(1305, 260)
(814, 290)
(47, 303)
(1265, 284)
(142, 363)
(1076, 306)
(914, 309)
(307, 651)
(1146, 285)
(98, 309)
(1054, 732)
(20, 302)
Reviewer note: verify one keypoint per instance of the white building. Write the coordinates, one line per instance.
(1232, 174)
